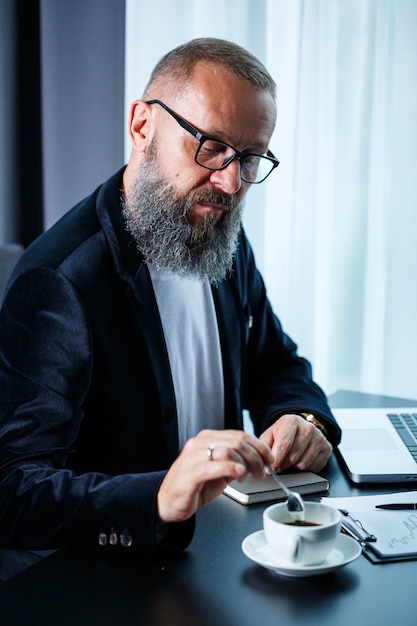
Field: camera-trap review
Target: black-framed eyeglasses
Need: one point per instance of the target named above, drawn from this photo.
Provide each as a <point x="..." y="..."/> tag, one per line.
<point x="214" y="154"/>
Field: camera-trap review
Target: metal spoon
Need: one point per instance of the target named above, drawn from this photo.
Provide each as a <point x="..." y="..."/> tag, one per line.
<point x="295" y="503"/>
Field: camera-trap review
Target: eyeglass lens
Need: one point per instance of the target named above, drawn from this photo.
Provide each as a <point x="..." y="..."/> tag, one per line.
<point x="215" y="155"/>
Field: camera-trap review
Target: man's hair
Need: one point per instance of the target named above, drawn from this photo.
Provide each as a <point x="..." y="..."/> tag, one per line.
<point x="179" y="64"/>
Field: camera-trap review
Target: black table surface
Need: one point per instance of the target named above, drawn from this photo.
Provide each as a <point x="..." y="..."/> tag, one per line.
<point x="213" y="583"/>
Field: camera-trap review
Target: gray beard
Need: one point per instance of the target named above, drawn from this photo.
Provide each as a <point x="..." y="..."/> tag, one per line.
<point x="155" y="215"/>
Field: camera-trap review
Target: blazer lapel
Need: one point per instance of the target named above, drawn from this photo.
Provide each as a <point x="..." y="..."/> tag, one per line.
<point x="141" y="305"/>
<point x="142" y="302"/>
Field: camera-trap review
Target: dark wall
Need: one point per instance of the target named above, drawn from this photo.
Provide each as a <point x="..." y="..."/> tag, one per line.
<point x="82" y="97"/>
<point x="61" y="107"/>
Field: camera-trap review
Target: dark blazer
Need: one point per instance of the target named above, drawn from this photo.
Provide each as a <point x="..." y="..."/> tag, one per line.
<point x="88" y="421"/>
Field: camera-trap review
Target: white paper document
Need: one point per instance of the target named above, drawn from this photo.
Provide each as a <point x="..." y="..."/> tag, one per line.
<point x="388" y="533"/>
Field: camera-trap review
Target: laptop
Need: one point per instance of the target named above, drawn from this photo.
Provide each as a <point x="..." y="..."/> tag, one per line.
<point x="378" y="445"/>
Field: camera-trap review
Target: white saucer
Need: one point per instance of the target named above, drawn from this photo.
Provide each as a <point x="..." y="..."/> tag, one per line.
<point x="256" y="548"/>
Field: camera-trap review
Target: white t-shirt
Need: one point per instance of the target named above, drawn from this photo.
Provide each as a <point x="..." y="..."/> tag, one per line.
<point x="189" y="321"/>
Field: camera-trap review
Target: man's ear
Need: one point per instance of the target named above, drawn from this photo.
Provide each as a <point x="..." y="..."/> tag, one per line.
<point x="140" y="125"/>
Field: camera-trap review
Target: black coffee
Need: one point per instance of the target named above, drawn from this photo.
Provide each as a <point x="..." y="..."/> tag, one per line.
<point x="300" y="522"/>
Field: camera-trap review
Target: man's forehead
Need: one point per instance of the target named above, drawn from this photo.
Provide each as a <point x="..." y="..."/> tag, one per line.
<point x="218" y="90"/>
<point x="251" y="112"/>
<point x="211" y="81"/>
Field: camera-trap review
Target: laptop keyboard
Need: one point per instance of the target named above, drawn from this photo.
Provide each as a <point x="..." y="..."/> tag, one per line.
<point x="406" y="426"/>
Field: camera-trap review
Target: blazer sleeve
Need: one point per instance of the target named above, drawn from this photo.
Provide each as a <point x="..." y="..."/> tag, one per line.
<point x="45" y="371"/>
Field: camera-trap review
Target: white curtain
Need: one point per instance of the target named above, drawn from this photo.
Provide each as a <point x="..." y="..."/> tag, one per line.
<point x="334" y="229"/>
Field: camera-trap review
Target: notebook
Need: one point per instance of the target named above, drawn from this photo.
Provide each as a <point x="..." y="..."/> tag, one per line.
<point x="378" y="445"/>
<point x="253" y="490"/>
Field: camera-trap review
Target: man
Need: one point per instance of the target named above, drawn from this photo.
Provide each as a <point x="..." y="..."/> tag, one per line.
<point x="136" y="330"/>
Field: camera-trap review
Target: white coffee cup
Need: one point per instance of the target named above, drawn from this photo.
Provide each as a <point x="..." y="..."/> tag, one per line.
<point x="302" y="544"/>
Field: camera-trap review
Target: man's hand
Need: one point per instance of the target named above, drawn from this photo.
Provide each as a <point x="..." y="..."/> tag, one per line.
<point x="297" y="443"/>
<point x="207" y="463"/>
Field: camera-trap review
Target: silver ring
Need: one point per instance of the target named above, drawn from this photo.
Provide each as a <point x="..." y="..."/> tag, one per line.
<point x="210" y="453"/>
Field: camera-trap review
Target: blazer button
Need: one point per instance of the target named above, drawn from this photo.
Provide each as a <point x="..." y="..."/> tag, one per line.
<point x="102" y="539"/>
<point x="125" y="539"/>
<point x="113" y="539"/>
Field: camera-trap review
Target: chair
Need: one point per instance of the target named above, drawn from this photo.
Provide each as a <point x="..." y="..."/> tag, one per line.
<point x="9" y="254"/>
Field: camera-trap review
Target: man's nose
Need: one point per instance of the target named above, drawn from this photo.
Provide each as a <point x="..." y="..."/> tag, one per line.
<point x="228" y="179"/>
